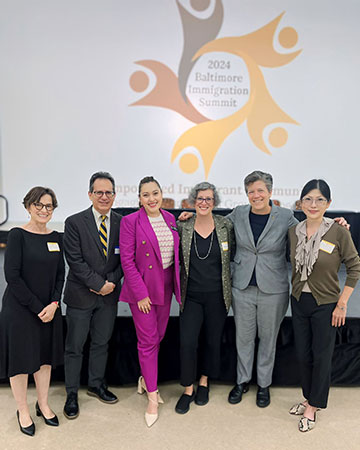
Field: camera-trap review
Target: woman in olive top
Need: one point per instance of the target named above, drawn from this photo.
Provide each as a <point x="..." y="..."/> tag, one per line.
<point x="206" y="242"/>
<point x="318" y="246"/>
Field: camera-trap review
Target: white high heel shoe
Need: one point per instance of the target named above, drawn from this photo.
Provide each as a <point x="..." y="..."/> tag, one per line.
<point x="150" y="419"/>
<point x="142" y="388"/>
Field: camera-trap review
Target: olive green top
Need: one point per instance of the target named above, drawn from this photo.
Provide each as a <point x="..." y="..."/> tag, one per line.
<point x="323" y="280"/>
<point x="225" y="234"/>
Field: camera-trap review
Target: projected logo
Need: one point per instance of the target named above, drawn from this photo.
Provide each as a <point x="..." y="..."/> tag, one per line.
<point x="220" y="85"/>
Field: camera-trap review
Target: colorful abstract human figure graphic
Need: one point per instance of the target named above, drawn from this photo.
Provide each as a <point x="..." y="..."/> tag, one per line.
<point x="264" y="119"/>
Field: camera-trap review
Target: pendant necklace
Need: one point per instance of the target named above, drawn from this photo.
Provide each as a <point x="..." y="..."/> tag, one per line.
<point x="210" y="246"/>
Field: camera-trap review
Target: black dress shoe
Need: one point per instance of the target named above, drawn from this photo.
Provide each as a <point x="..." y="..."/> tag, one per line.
<point x="53" y="421"/>
<point x="71" y="408"/>
<point x="30" y="430"/>
<point x="183" y="404"/>
<point x="237" y="392"/>
<point x="102" y="394"/>
<point x="202" y="395"/>
<point x="263" y="397"/>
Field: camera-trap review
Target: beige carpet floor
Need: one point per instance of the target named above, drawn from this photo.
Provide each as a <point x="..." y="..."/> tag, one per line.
<point x="218" y="425"/>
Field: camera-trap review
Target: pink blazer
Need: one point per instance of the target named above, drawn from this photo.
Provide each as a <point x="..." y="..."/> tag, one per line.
<point x="141" y="259"/>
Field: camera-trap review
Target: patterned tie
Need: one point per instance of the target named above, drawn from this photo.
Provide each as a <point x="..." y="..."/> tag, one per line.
<point x="103" y="234"/>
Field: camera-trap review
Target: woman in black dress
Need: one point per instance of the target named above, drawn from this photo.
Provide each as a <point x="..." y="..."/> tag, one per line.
<point x="30" y="321"/>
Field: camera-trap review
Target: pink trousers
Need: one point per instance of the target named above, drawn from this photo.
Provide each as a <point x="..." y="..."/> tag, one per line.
<point x="150" y="330"/>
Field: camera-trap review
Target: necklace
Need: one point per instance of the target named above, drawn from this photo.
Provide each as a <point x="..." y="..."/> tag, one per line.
<point x="210" y="246"/>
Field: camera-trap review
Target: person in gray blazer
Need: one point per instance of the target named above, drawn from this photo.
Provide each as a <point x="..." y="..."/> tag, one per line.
<point x="260" y="285"/>
<point x="91" y="245"/>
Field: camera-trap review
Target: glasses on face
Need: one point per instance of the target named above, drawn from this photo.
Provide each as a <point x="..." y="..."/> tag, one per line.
<point x="39" y="206"/>
<point x="308" y="201"/>
<point x="99" y="194"/>
<point x="207" y="200"/>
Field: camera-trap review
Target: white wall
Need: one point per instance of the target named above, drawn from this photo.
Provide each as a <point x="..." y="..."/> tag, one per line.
<point x="65" y="96"/>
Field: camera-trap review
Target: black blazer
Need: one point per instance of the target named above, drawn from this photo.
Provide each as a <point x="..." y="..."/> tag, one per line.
<point x="88" y="266"/>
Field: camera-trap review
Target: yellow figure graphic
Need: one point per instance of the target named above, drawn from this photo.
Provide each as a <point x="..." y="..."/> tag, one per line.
<point x="256" y="49"/>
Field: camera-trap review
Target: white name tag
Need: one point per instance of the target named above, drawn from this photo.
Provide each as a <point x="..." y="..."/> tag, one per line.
<point x="117" y="251"/>
<point x="326" y="246"/>
<point x="53" y="247"/>
<point x="225" y="246"/>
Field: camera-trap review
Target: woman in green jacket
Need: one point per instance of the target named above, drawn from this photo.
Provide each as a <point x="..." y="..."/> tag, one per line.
<point x="318" y="246"/>
<point x="205" y="242"/>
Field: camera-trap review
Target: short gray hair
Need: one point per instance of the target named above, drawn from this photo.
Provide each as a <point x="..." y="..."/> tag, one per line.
<point x="257" y="175"/>
<point x="203" y="186"/>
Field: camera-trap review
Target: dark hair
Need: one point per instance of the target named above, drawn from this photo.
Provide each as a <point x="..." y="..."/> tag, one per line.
<point x="257" y="175"/>
<point x="203" y="186"/>
<point x="316" y="184"/>
<point x="104" y="175"/>
<point x="148" y="179"/>
<point x="35" y="194"/>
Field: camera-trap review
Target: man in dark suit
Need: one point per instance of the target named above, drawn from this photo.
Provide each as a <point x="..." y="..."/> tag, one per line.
<point x="91" y="244"/>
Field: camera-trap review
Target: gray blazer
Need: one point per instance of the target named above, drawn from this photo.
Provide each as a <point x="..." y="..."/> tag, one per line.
<point x="268" y="257"/>
<point x="88" y="266"/>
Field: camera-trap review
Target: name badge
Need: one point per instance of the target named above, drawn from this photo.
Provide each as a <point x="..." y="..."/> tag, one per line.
<point x="53" y="247"/>
<point x="326" y="246"/>
<point x="117" y="251"/>
<point x="225" y="246"/>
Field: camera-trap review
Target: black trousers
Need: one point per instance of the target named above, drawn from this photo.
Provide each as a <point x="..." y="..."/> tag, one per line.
<point x="314" y="341"/>
<point x="99" y="322"/>
<point x="207" y="310"/>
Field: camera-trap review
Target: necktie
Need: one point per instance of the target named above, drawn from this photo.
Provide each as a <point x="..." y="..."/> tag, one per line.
<point x="103" y="234"/>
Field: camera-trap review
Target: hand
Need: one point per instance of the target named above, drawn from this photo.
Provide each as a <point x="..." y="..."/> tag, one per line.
<point x="47" y="314"/>
<point x="107" y="288"/>
<point x="185" y="215"/>
<point x="144" y="305"/>
<point x="342" y="221"/>
<point x="338" y="316"/>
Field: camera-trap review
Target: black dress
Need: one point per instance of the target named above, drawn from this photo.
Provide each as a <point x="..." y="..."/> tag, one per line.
<point x="34" y="271"/>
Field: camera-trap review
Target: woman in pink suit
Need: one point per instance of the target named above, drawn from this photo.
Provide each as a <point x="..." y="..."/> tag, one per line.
<point x="149" y="250"/>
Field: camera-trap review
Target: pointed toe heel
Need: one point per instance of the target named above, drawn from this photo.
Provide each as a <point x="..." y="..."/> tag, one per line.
<point x="53" y="421"/>
<point x="150" y="419"/>
<point x="29" y="431"/>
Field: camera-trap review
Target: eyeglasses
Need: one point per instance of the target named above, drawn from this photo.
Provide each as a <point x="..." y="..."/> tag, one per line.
<point x="39" y="206"/>
<point x="207" y="200"/>
<point x="318" y="201"/>
<point x="99" y="194"/>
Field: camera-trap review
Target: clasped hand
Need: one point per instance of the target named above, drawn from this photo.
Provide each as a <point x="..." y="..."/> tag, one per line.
<point x="47" y="313"/>
<point x="106" y="289"/>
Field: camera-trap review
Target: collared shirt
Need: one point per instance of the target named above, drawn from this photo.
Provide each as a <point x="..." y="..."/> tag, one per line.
<point x="98" y="220"/>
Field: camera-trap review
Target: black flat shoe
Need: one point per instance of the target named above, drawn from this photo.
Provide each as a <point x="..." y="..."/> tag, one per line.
<point x="71" y="408"/>
<point x="53" y="421"/>
<point x="202" y="395"/>
<point x="30" y="430"/>
<point x="102" y="394"/>
<point x="183" y="404"/>
<point x="263" y="397"/>
<point x="237" y="392"/>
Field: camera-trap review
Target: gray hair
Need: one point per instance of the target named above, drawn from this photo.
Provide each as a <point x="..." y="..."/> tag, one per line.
<point x="257" y="175"/>
<point x="203" y="186"/>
